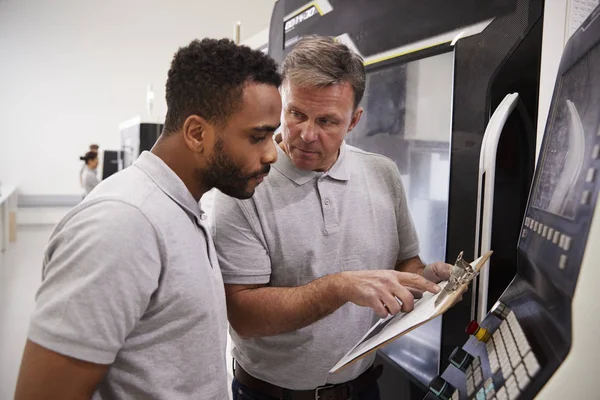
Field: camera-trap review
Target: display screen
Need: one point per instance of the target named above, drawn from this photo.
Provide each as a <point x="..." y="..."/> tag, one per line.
<point x="572" y="126"/>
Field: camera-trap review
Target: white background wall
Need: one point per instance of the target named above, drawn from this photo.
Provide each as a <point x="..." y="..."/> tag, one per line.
<point x="72" y="70"/>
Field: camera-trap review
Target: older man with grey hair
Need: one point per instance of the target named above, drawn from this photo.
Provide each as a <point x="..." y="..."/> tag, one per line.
<point x="325" y="245"/>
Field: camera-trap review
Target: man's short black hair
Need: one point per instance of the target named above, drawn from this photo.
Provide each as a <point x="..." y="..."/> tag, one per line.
<point x="207" y="78"/>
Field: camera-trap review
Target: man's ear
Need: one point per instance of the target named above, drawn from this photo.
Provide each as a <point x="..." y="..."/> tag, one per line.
<point x="198" y="133"/>
<point x="355" y="118"/>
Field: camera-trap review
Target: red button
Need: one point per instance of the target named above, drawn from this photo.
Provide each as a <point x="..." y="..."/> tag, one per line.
<point x="472" y="328"/>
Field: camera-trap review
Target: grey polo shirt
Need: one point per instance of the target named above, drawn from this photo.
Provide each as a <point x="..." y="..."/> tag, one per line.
<point x="303" y="225"/>
<point x="131" y="279"/>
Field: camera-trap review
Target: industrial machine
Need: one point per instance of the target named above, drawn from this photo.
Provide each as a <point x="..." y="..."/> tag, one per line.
<point x="137" y="136"/>
<point x="436" y="71"/>
<point x="540" y="338"/>
<point x="111" y="163"/>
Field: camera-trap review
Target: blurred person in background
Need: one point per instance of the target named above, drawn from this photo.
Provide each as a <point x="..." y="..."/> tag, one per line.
<point x="89" y="175"/>
<point x="93" y="149"/>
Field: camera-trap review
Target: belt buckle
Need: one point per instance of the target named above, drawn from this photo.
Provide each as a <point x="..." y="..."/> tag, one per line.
<point x="317" y="390"/>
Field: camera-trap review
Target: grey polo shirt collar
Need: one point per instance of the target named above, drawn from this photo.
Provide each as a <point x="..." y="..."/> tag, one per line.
<point x="170" y="184"/>
<point x="339" y="171"/>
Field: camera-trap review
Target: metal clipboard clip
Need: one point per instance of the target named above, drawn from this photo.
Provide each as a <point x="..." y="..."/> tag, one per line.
<point x="462" y="273"/>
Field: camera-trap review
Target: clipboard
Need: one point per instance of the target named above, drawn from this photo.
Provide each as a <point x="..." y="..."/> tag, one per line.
<point x="427" y="308"/>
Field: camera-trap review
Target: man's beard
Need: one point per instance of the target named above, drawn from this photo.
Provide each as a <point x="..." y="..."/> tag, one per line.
<point x="223" y="174"/>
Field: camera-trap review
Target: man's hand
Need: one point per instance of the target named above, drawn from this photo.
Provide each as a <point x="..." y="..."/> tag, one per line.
<point x="437" y="272"/>
<point x="386" y="292"/>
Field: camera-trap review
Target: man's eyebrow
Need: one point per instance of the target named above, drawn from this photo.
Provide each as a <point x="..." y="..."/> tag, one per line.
<point x="266" y="128"/>
<point x="330" y="116"/>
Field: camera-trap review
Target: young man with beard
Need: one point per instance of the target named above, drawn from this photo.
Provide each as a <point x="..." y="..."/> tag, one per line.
<point x="132" y="302"/>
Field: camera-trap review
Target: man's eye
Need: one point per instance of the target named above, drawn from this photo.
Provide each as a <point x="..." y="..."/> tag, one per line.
<point x="258" y="139"/>
<point x="295" y="113"/>
<point x="324" y="121"/>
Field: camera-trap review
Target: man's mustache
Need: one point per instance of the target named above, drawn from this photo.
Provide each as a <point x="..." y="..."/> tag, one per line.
<point x="264" y="171"/>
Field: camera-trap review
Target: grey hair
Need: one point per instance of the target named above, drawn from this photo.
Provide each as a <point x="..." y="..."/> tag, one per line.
<point x="318" y="61"/>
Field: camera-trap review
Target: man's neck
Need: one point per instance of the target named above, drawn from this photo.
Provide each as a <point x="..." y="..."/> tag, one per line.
<point x="172" y="154"/>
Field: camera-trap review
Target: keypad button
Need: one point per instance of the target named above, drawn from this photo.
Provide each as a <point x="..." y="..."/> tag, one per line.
<point x="591" y="175"/>
<point x="480" y="394"/>
<point x="567" y="243"/>
<point x="531" y="364"/>
<point x="523" y="346"/>
<point x="456" y="395"/>
<point x="585" y="197"/>
<point x="513" y="393"/>
<point x="470" y="387"/>
<point x="545" y="231"/>
<point x="478" y="377"/>
<point x="501" y="394"/>
<point x="562" y="262"/>
<point x="512" y="388"/>
<point x="556" y="237"/>
<point x="469" y="371"/>
<point x="507" y="369"/>
<point x="489" y="346"/>
<point x="511" y="382"/>
<point x="596" y="152"/>
<point x="494" y="363"/>
<point x="522" y="377"/>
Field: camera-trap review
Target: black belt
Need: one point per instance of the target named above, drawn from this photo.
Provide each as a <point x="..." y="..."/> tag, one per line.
<point x="340" y="391"/>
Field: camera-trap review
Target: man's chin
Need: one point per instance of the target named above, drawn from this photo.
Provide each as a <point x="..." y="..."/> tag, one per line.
<point x="245" y="195"/>
<point x="238" y="193"/>
<point x="303" y="164"/>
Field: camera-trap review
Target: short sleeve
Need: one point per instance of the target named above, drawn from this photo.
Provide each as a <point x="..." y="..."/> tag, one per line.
<point x="243" y="255"/>
<point x="101" y="267"/>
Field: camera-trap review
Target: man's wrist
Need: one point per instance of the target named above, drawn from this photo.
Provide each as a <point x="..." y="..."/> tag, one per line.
<point x="338" y="285"/>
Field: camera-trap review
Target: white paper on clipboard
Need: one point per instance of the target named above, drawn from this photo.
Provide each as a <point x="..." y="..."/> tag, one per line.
<point x="392" y="327"/>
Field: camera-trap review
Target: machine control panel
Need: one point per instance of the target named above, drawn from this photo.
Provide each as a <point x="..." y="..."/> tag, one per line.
<point x="502" y="370"/>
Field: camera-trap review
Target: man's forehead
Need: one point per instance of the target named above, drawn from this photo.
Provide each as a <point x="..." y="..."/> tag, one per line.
<point x="338" y="92"/>
<point x="260" y="107"/>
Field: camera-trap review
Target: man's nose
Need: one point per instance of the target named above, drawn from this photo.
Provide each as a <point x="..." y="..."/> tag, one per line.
<point x="270" y="154"/>
<point x="309" y="132"/>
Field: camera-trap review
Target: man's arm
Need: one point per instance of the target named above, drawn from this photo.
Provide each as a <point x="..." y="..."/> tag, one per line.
<point x="92" y="296"/>
<point x="258" y="310"/>
<point x="49" y="375"/>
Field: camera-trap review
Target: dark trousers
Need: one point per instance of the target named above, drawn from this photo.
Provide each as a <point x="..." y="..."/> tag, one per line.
<point x="241" y="392"/>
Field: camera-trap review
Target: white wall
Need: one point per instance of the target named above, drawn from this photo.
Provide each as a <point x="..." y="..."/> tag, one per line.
<point x="72" y="70"/>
